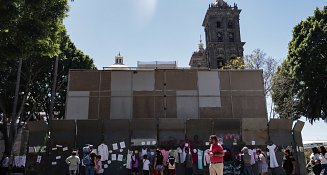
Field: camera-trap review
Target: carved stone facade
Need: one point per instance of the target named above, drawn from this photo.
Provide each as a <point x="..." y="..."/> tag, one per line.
<point x="223" y="38"/>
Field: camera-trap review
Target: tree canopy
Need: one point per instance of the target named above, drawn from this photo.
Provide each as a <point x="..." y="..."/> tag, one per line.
<point x="304" y="71"/>
<point x="33" y="31"/>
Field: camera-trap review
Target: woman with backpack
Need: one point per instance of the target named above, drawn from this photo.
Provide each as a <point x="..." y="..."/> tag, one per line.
<point x="262" y="163"/>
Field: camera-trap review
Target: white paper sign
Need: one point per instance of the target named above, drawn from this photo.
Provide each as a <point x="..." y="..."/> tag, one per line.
<point x="142" y="143"/>
<point x="65" y="149"/>
<point x="122" y="145"/>
<point x="120" y="157"/>
<point x="113" y="157"/>
<point x="58" y="157"/>
<point x="207" y="143"/>
<point x="154" y="142"/>
<point x="115" y="146"/>
<point x="148" y="143"/>
<point x="53" y="149"/>
<point x="53" y="163"/>
<point x="253" y="142"/>
<point x="38" y="160"/>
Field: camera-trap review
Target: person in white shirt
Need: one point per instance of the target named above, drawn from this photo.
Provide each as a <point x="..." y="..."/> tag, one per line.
<point x="146" y="165"/>
<point x="315" y="154"/>
<point x="73" y="161"/>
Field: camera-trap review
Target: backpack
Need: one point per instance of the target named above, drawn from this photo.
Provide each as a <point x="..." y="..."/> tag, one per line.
<point x="87" y="160"/>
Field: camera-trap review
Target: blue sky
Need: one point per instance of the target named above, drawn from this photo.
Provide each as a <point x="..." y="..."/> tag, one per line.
<point x="169" y="30"/>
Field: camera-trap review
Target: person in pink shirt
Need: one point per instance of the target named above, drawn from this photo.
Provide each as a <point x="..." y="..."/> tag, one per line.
<point x="216" y="154"/>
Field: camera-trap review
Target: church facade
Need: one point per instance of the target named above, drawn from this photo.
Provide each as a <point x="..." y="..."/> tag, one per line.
<point x="222" y="35"/>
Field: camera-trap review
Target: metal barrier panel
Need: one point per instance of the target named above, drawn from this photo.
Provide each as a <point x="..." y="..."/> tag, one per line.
<point x="88" y="132"/>
<point x="115" y="132"/>
<point x="280" y="133"/>
<point x="62" y="143"/>
<point x="171" y="133"/>
<point x="198" y="131"/>
<point x="254" y="129"/>
<point x="37" y="139"/>
<point x="144" y="129"/>
<point x="299" y="150"/>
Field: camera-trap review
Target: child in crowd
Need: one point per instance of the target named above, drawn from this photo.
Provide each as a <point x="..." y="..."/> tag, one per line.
<point x="146" y="165"/>
<point x="98" y="166"/>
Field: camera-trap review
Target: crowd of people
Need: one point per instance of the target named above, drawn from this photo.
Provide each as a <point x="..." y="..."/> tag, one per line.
<point x="93" y="164"/>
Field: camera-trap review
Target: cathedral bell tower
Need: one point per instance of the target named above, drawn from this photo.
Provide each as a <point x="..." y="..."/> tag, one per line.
<point x="222" y="34"/>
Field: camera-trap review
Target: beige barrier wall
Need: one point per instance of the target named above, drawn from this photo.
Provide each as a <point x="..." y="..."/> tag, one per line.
<point x="180" y="94"/>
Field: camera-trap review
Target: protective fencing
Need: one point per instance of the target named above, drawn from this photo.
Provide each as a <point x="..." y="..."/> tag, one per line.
<point x="124" y="135"/>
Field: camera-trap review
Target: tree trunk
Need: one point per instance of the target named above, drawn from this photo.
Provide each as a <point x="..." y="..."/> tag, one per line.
<point x="14" y="116"/>
<point x="53" y="90"/>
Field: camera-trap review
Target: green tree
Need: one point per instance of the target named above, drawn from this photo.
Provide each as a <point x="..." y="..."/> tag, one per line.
<point x="70" y="58"/>
<point x="306" y="70"/>
<point x="283" y="93"/>
<point x="33" y="32"/>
